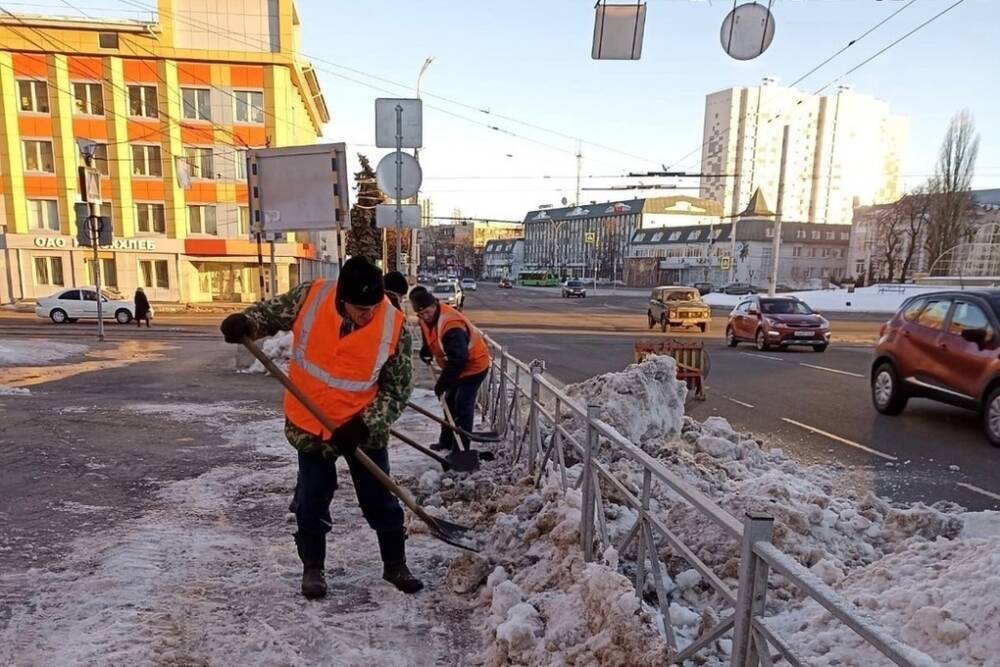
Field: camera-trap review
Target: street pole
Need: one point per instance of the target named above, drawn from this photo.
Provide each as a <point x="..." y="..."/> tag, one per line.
<point x="94" y="225"/>
<point x="416" y="197"/>
<point x="274" y="270"/>
<point x="776" y="242"/>
<point x="399" y="183"/>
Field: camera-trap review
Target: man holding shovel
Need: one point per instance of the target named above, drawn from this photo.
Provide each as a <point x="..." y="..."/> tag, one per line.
<point x="460" y="351"/>
<point x="351" y="357"/>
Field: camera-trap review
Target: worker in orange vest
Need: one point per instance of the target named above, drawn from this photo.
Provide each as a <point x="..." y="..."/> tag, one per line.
<point x="460" y="351"/>
<point x="351" y="356"/>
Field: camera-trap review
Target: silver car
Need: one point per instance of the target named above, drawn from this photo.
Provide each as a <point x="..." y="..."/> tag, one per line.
<point x="450" y="293"/>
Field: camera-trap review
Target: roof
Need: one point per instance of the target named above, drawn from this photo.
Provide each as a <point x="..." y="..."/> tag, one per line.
<point x="749" y="229"/>
<point x="986" y="197"/>
<point x="501" y="245"/>
<point x="603" y="209"/>
<point x="757" y="207"/>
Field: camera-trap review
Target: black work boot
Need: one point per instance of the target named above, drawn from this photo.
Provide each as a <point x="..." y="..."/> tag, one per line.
<point x="312" y="552"/>
<point x="392" y="546"/>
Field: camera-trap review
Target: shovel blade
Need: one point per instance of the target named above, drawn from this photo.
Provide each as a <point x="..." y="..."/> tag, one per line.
<point x="454" y="534"/>
<point x="464" y="460"/>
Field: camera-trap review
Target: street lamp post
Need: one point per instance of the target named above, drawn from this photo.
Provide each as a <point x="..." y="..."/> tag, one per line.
<point x="411" y="268"/>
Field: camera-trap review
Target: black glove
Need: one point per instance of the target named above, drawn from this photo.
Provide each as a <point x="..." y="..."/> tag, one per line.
<point x="440" y="387"/>
<point x="236" y="327"/>
<point x="425" y="355"/>
<point x="350" y="436"/>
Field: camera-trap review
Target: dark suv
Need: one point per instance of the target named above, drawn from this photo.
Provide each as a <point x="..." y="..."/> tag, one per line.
<point x="943" y="346"/>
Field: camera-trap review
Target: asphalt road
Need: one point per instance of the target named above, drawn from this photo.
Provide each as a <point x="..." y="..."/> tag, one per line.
<point x="815" y="406"/>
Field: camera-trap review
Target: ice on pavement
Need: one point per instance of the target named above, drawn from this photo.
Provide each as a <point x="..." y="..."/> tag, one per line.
<point x="32" y="352"/>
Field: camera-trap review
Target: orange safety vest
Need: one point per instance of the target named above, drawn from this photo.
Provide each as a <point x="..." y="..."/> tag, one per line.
<point x="448" y="319"/>
<point x="339" y="373"/>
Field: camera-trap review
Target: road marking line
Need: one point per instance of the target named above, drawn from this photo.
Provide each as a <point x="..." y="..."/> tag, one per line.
<point x="851" y="443"/>
<point x="762" y="356"/>
<point x="831" y="370"/>
<point x="976" y="489"/>
<point x="737" y="402"/>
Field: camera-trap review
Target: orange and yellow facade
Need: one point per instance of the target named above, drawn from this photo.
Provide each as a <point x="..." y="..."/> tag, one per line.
<point x="171" y="105"/>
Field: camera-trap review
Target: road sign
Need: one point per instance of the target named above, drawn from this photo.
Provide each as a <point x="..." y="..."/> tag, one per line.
<point x="725" y="262"/>
<point x="90" y="185"/>
<point x="385" y="122"/>
<point x="410" y="175"/>
<point x="590" y="237"/>
<point x="84" y="227"/>
<point x="385" y="216"/>
<point x="306" y="186"/>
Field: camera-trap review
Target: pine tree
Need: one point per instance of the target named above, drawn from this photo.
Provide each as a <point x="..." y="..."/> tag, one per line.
<point x="364" y="239"/>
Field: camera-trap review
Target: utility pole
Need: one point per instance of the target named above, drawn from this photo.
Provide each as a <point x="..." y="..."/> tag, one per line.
<point x="579" y="166"/>
<point x="776" y="241"/>
<point x="416" y="197"/>
<point x="94" y="226"/>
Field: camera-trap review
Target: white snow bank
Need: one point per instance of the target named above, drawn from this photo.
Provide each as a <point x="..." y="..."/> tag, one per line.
<point x="643" y="401"/>
<point x="29" y="352"/>
<point x="941" y="597"/>
<point x="278" y="347"/>
<point x="14" y="391"/>
<point x="873" y="299"/>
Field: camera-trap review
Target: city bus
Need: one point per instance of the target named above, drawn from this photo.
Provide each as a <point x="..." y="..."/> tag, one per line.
<point x="538" y="278"/>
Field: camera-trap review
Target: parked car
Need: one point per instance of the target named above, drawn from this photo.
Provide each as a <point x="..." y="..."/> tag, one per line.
<point x="505" y="283"/>
<point x="738" y="289"/>
<point x="943" y="346"/>
<point x="777" y="321"/>
<point x="704" y="288"/>
<point x="677" y="306"/>
<point x="574" y="288"/>
<point x="450" y="293"/>
<point x="76" y="303"/>
<point x="469" y="284"/>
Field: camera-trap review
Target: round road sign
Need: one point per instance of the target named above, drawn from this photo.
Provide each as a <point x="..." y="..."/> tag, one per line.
<point x="747" y="31"/>
<point x="385" y="175"/>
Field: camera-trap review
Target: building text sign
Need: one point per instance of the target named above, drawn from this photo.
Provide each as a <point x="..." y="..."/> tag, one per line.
<point x="64" y="243"/>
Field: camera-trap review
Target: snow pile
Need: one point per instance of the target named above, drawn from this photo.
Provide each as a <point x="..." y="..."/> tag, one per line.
<point x="14" y="391"/>
<point x="643" y="401"/>
<point x="873" y="299"/>
<point x="278" y="347"/>
<point x="28" y="352"/>
<point x="941" y="597"/>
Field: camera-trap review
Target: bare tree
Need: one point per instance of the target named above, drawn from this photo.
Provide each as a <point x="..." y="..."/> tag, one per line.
<point x="364" y="239"/>
<point x="914" y="209"/>
<point x="888" y="240"/>
<point x="951" y="202"/>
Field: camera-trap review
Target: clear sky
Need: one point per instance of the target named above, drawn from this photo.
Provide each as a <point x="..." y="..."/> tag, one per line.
<point x="531" y="61"/>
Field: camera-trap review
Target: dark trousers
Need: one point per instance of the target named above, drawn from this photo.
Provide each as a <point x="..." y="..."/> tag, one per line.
<point x="461" y="402"/>
<point x="317" y="480"/>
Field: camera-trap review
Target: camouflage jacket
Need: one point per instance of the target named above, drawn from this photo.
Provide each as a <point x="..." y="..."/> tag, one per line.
<point x="395" y="380"/>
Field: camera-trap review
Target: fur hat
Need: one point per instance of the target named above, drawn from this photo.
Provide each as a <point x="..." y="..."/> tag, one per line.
<point x="360" y="283"/>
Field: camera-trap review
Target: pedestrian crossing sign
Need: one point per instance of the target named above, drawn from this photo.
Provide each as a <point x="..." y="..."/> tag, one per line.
<point x="725" y="262"/>
<point x="590" y="237"/>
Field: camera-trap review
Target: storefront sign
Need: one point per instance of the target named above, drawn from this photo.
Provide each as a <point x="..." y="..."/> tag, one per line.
<point x="64" y="243"/>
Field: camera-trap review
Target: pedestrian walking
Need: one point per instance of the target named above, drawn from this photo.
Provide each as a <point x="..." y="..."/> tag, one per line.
<point x="351" y="356"/>
<point x="460" y="350"/>
<point x="396" y="288"/>
<point x="142" y="309"/>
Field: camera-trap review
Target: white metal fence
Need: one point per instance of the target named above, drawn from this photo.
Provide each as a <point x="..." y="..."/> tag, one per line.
<point x="531" y="411"/>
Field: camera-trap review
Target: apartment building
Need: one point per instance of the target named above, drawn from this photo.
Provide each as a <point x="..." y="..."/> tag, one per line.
<point x="824" y="155"/>
<point x="171" y="105"/>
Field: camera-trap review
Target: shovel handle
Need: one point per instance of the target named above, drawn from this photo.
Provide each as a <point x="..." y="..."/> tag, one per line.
<point x="369" y="465"/>
<point x="444" y="404"/>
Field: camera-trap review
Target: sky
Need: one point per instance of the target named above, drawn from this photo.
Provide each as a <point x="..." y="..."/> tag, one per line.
<point x="528" y="64"/>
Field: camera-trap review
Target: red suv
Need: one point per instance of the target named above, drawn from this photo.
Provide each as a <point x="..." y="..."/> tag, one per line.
<point x="777" y="321"/>
<point x="943" y="346"/>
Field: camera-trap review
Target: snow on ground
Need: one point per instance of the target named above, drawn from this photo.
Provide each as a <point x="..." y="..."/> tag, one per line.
<point x="14" y="391"/>
<point x="31" y="352"/>
<point x="873" y="299"/>
<point x="278" y="347"/>
<point x="847" y="541"/>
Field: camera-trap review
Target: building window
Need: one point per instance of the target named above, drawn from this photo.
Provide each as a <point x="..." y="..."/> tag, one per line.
<point x="108" y="40"/>
<point x="859" y="267"/>
<point x="769" y="232"/>
<point x="150" y="219"/>
<point x="43" y="214"/>
<point x="243" y="221"/>
<point x="38" y="156"/>
<point x="201" y="219"/>
<point x="197" y="103"/>
<point x="694" y="234"/>
<point x="241" y="165"/>
<point x="800" y="234"/>
<point x="88" y="98"/>
<point x="142" y="101"/>
<point x="109" y="272"/>
<point x="146" y="160"/>
<point x="657" y="237"/>
<point x="816" y="235"/>
<point x="845" y="236"/>
<point x="199" y="162"/>
<point x="831" y="236"/>
<point x="34" y="96"/>
<point x="48" y="271"/>
<point x="249" y="106"/>
<point x="154" y="273"/>
<point x="101" y="159"/>
<point x="674" y="236"/>
<point x="797" y="251"/>
<point x="812" y="252"/>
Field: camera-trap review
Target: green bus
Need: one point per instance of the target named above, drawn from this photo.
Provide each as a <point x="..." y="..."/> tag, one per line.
<point x="538" y="278"/>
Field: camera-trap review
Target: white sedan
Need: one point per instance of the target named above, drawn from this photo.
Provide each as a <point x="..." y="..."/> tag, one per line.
<point x="469" y="284"/>
<point x="77" y="303"/>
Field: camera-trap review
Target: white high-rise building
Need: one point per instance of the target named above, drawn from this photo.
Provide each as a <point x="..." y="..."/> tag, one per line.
<point x="842" y="150"/>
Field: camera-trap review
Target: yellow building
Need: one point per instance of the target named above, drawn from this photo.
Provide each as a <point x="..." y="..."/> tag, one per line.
<point x="172" y="105"/>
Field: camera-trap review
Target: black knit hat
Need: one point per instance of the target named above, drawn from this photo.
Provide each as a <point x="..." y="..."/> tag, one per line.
<point x="360" y="283"/>
<point x="421" y="298"/>
<point x="396" y="282"/>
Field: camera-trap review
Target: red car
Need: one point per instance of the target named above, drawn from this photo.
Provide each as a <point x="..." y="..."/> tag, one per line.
<point x="777" y="321"/>
<point x="943" y="346"/>
<point x="505" y="283"/>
